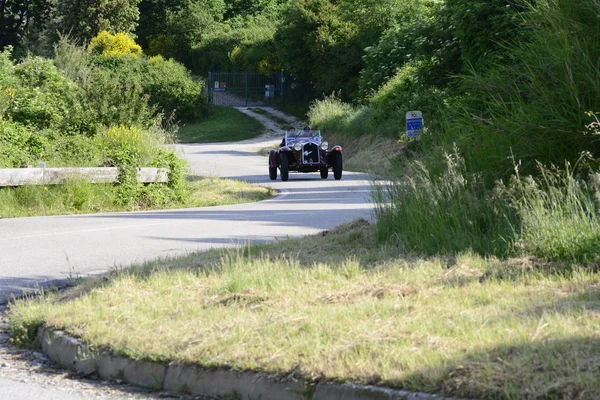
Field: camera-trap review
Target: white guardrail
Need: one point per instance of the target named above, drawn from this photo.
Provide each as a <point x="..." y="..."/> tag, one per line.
<point x="56" y="176"/>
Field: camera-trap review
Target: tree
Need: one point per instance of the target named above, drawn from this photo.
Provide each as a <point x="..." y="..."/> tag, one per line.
<point x="20" y="19"/>
<point x="317" y="47"/>
<point x="173" y="27"/>
<point x="84" y="19"/>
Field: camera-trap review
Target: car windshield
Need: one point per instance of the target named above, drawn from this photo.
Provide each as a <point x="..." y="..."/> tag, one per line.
<point x="302" y="134"/>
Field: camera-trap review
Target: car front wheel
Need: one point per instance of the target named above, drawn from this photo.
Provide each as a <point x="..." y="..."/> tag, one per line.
<point x="324" y="172"/>
<point x="272" y="173"/>
<point x="337" y="166"/>
<point x="284" y="167"/>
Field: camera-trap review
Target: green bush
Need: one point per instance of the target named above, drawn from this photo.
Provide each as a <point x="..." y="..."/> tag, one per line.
<point x="171" y="89"/>
<point x="166" y="84"/>
<point x="43" y="97"/>
<point x="534" y="107"/>
<point x="331" y="113"/>
<point x="111" y="99"/>
<point x="402" y="93"/>
<point x="19" y="145"/>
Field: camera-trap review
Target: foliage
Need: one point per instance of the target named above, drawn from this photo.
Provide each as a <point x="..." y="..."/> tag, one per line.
<point x="117" y="45"/>
<point x="84" y="19"/>
<point x="405" y="92"/>
<point x="449" y="213"/>
<point x="19" y="145"/>
<point x="22" y="20"/>
<point x="115" y="99"/>
<point x="559" y="214"/>
<point x="315" y="44"/>
<point x="534" y="107"/>
<point x="93" y="115"/>
<point x="172" y="90"/>
<point x="41" y="96"/>
<point x="173" y="27"/>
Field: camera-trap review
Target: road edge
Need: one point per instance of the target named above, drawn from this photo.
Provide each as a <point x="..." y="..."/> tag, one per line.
<point x="74" y="354"/>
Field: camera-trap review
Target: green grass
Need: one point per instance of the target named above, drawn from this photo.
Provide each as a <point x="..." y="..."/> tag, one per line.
<point x="283" y="124"/>
<point x="297" y="110"/>
<point x="553" y="215"/>
<point x="223" y="124"/>
<point x="341" y="306"/>
<point x="78" y="197"/>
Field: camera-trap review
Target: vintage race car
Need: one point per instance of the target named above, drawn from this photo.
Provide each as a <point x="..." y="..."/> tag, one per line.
<point x="305" y="151"/>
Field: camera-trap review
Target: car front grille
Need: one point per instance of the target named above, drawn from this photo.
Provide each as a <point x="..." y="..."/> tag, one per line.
<point x="310" y="154"/>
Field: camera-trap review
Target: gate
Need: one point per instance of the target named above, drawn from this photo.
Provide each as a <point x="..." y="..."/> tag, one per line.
<point x="245" y="89"/>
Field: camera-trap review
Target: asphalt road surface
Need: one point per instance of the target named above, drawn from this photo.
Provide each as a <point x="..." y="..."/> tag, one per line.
<point x="41" y="251"/>
<point x="38" y="250"/>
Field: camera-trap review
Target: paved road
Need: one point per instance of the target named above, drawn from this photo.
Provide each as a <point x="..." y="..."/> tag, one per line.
<point x="41" y="250"/>
<point x="34" y="251"/>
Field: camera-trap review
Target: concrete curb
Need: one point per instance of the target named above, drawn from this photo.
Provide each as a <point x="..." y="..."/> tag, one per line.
<point x="73" y="354"/>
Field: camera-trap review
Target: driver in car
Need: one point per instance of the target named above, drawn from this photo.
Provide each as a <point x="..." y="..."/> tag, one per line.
<point x="291" y="132"/>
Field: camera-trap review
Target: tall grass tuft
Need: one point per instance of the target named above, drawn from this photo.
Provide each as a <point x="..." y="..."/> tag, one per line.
<point x="444" y="214"/>
<point x="536" y="105"/>
<point x="552" y="215"/>
<point x="559" y="215"/>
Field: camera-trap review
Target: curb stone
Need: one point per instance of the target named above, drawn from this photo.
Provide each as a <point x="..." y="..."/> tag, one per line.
<point x="174" y="377"/>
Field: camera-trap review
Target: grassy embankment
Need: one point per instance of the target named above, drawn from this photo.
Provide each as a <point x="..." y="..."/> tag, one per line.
<point x="223" y="124"/>
<point x="342" y="306"/>
<point x="78" y="197"/>
<point x="85" y="198"/>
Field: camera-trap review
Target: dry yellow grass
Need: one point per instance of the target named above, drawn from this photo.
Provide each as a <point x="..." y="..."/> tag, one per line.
<point x="339" y="306"/>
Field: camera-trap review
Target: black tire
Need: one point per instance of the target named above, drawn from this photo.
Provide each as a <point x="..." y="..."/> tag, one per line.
<point x="285" y="172"/>
<point x="272" y="173"/>
<point x="324" y="172"/>
<point x="337" y="166"/>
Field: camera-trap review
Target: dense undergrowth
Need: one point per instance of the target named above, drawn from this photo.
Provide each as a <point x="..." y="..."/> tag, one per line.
<point x="108" y="105"/>
<point x="507" y="163"/>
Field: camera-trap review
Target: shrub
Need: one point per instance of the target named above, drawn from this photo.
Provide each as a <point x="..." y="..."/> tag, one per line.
<point x="167" y="84"/>
<point x="73" y="151"/>
<point x="118" y="45"/>
<point x="330" y="113"/>
<point x="402" y="93"/>
<point x="534" y="106"/>
<point x="172" y="89"/>
<point x="127" y="146"/>
<point x="19" y="145"/>
<point x="114" y="100"/>
<point x="43" y="96"/>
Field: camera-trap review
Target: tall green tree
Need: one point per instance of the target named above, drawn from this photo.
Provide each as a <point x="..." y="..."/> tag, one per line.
<point x="22" y="19"/>
<point x="84" y="19"/>
<point x="319" y="48"/>
<point x="173" y="27"/>
<point x="322" y="42"/>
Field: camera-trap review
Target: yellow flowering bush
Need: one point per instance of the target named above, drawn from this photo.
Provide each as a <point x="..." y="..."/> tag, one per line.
<point x="119" y="45"/>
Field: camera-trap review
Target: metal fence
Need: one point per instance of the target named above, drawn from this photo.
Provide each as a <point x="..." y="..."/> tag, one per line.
<point x="245" y="89"/>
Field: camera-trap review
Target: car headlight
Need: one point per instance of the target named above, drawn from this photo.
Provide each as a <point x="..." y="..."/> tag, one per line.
<point x="324" y="146"/>
<point x="298" y="146"/>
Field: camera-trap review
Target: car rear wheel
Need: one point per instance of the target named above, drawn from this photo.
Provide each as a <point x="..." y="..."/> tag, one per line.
<point x="337" y="166"/>
<point x="284" y="167"/>
<point x="324" y="172"/>
<point x="272" y="173"/>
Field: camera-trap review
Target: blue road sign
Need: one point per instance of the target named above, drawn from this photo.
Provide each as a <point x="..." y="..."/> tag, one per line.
<point x="414" y="124"/>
